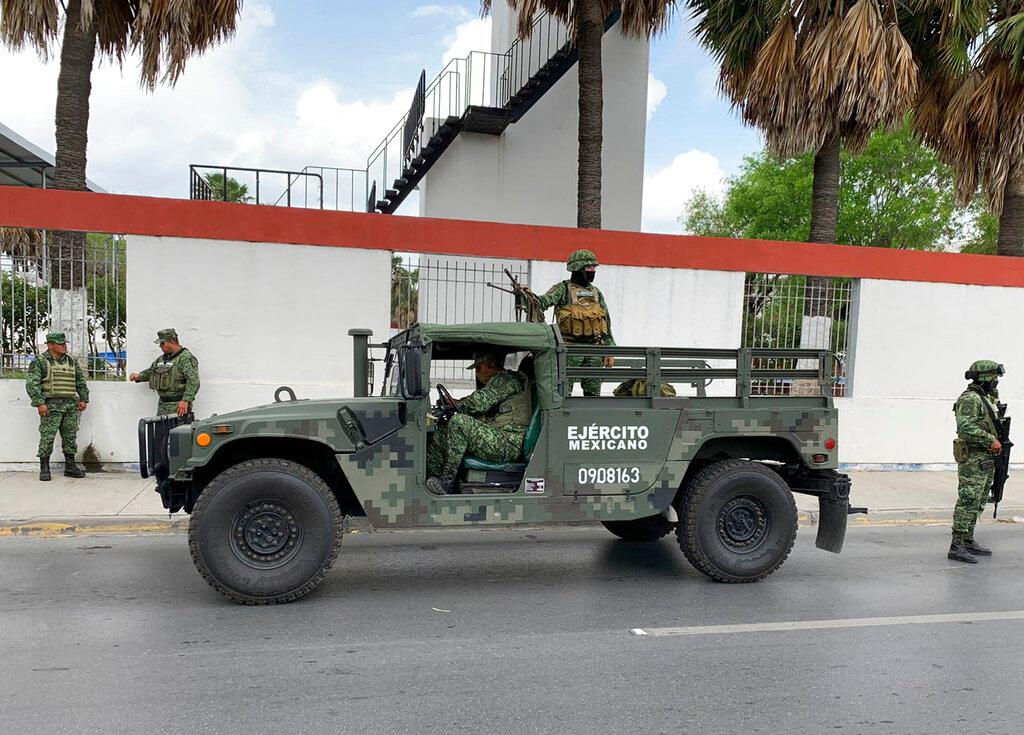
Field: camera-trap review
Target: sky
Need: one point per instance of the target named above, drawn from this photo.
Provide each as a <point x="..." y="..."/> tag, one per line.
<point x="321" y="83"/>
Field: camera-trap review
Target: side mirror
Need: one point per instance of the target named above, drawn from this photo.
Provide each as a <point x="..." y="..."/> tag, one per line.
<point x="410" y="361"/>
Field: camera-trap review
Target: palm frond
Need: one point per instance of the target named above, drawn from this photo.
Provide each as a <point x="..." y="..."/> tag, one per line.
<point x="29" y="23"/>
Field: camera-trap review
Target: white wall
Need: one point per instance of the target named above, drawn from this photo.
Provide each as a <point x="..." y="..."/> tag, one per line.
<point x="527" y="174"/>
<point x="257" y="316"/>
<point x="913" y="343"/>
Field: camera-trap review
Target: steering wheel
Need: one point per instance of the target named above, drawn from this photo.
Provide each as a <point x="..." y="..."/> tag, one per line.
<point x="445" y="399"/>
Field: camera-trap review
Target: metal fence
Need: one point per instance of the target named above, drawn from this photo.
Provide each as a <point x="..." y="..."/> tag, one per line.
<point x="66" y="282"/>
<point x="784" y="311"/>
<point x="451" y="290"/>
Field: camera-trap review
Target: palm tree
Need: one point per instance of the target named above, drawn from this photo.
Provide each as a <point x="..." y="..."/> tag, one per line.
<point x="585" y="20"/>
<point x="813" y="75"/>
<point x="234" y="191"/>
<point x="972" y="107"/>
<point x="165" y="34"/>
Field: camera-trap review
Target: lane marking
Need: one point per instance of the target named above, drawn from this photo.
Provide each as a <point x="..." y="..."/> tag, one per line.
<point x="966" y="617"/>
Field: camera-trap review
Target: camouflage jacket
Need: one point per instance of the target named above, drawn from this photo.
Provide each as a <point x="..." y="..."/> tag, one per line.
<point x="558" y="296"/>
<point x="483" y="402"/>
<point x="189" y="367"/>
<point x="37" y="372"/>
<point x="973" y="424"/>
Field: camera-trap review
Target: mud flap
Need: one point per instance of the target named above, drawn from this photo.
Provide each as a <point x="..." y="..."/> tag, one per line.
<point x="832" y="516"/>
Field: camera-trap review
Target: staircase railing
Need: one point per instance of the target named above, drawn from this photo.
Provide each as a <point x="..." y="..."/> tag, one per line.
<point x="481" y="79"/>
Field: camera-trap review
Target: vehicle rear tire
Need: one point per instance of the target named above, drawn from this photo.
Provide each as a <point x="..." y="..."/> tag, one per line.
<point x="647" y="529"/>
<point x="265" y="531"/>
<point x="737" y="521"/>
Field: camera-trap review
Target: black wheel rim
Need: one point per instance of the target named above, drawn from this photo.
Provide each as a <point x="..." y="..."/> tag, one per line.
<point x="266" y="534"/>
<point x="743" y="523"/>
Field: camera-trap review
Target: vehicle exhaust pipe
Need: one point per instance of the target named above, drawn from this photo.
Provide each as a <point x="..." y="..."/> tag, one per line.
<point x="360" y="361"/>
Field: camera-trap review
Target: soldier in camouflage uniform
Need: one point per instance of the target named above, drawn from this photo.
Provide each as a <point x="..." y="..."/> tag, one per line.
<point x="974" y="450"/>
<point x="582" y="314"/>
<point x="489" y="424"/>
<point x="56" y="385"/>
<point x="174" y="376"/>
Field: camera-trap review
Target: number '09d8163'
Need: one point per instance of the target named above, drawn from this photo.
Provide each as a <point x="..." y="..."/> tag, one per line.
<point x="608" y="475"/>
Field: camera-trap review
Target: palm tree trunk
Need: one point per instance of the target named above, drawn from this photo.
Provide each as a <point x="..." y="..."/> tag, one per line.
<point x="816" y="325"/>
<point x="67" y="249"/>
<point x="1011" y="221"/>
<point x="589" y="23"/>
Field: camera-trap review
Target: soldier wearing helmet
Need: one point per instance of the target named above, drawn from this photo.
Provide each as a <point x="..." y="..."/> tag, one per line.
<point x="974" y="450"/>
<point x="581" y="313"/>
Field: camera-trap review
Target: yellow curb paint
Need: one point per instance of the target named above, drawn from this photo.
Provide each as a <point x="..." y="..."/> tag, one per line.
<point x="52" y="529"/>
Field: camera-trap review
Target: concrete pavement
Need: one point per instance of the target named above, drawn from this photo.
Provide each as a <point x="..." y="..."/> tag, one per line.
<point x="517" y="631"/>
<point x="124" y="502"/>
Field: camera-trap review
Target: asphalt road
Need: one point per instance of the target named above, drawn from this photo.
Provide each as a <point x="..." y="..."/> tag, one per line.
<point x="524" y="631"/>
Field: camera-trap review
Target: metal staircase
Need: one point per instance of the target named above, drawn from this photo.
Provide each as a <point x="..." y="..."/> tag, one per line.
<point x="482" y="93"/>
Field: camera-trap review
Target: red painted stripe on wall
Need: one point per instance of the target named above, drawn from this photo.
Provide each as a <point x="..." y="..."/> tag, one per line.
<point x="134" y="215"/>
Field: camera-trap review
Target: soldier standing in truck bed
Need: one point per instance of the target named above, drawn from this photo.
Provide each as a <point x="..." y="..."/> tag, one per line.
<point x="582" y="314"/>
<point x="174" y="376"/>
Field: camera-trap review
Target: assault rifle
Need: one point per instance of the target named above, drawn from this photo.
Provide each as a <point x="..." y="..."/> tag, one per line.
<point x="1002" y="459"/>
<point x="526" y="301"/>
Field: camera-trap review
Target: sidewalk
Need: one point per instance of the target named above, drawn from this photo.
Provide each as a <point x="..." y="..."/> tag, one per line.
<point x="122" y="502"/>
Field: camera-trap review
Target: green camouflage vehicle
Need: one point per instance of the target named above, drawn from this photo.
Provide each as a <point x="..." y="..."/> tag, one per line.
<point x="268" y="487"/>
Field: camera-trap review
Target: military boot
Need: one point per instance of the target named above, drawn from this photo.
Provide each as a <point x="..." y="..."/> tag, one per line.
<point x="44" y="469"/>
<point x="440" y="485"/>
<point x="70" y="468"/>
<point x="972" y="546"/>
<point x="958" y="552"/>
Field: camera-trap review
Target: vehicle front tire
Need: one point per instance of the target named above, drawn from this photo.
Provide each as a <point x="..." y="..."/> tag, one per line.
<point x="737" y="521"/>
<point x="647" y="529"/>
<point x="265" y="531"/>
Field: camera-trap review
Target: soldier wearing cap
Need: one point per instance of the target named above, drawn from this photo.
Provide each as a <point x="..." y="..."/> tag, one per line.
<point x="974" y="450"/>
<point x="174" y="376"/>
<point x="489" y="424"/>
<point x="581" y="313"/>
<point x="56" y="385"/>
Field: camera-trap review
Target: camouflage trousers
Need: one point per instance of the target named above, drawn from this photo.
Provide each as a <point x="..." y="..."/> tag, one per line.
<point x="464" y="435"/>
<point x="591" y="386"/>
<point x="975" y="474"/>
<point x="169" y="408"/>
<point x="63" y="419"/>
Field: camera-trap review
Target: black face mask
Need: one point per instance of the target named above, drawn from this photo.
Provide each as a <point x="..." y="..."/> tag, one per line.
<point x="580" y="278"/>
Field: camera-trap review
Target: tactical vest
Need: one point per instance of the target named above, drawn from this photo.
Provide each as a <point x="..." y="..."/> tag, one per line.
<point x="637" y="388"/>
<point x="582" y="318"/>
<point x="516" y="412"/>
<point x="60" y="379"/>
<point x="167" y="378"/>
<point x="961" y="446"/>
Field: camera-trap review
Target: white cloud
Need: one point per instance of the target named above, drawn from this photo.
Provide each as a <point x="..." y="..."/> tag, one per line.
<point x="667" y="189"/>
<point x="656" y="91"/>
<point x="473" y="35"/>
<point x="449" y="11"/>
<point x="231" y="107"/>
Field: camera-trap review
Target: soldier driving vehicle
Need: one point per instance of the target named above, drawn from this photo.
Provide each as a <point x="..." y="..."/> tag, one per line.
<point x="268" y="487"/>
<point x="174" y="376"/>
<point x="982" y="453"/>
<point x="489" y="424"/>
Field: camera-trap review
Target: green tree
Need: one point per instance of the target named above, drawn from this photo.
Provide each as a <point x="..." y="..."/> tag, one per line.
<point x="25" y="305"/>
<point x="236" y="192"/>
<point x="405" y="293"/>
<point x="897" y="194"/>
<point x="165" y="35"/>
<point x="106" y="284"/>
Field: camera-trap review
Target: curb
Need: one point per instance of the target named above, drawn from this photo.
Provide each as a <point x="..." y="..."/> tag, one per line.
<point x="93" y="525"/>
<point x="53" y="527"/>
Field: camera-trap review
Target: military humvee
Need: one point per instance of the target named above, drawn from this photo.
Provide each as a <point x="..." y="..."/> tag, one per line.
<point x="268" y="487"/>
